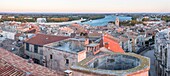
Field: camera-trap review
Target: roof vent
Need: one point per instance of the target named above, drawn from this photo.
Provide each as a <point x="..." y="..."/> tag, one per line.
<point x="30" y="61"/>
<point x="28" y="73"/>
<point x="12" y="49"/>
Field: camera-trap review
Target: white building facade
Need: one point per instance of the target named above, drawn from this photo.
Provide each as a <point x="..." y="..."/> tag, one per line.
<point x="162" y="52"/>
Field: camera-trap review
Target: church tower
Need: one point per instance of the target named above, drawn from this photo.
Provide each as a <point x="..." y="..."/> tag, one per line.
<point x="117" y="21"/>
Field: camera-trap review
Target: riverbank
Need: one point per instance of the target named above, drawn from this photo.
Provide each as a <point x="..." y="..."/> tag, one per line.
<point x="106" y="20"/>
<point x="63" y="23"/>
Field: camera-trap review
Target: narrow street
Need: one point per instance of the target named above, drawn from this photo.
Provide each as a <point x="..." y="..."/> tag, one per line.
<point x="150" y="54"/>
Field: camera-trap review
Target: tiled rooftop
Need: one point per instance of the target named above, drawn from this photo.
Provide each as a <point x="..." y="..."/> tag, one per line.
<point x="7" y="70"/>
<point x="95" y="34"/>
<point x="42" y="39"/>
<point x="11" y="64"/>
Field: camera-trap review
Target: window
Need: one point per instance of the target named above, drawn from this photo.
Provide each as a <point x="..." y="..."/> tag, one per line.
<point x="130" y="39"/>
<point x="41" y="52"/>
<point x="166" y="57"/>
<point x="27" y="57"/>
<point x="166" y="74"/>
<point x="35" y="48"/>
<point x="51" y="56"/>
<point x="95" y="49"/>
<point x="27" y="46"/>
<point x="142" y="44"/>
<point x="36" y="61"/>
<point x="123" y="45"/>
<point x="67" y="61"/>
<point x="161" y="51"/>
<point x="96" y="63"/>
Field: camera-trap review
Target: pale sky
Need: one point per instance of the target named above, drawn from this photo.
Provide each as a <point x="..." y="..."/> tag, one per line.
<point x="85" y="6"/>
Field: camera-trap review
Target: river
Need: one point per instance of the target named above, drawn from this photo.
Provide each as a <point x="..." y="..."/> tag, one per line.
<point x="104" y="21"/>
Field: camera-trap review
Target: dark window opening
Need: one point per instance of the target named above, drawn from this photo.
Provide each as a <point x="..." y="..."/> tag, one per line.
<point x="161" y="51"/>
<point x="27" y="46"/>
<point x="35" y="48"/>
<point x="27" y="57"/>
<point x="123" y="45"/>
<point x="130" y="39"/>
<point x="36" y="61"/>
<point x="67" y="61"/>
<point x="51" y="56"/>
<point x="166" y="57"/>
<point x="96" y="63"/>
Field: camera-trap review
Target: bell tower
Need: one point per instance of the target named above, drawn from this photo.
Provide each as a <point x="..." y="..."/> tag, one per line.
<point x="117" y="21"/>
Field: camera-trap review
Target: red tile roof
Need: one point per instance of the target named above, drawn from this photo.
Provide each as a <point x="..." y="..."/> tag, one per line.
<point x="18" y="34"/>
<point x="94" y="34"/>
<point x="30" y="31"/>
<point x="42" y="39"/>
<point x="7" y="70"/>
<point x="113" y="45"/>
<point x="78" y="28"/>
<point x="13" y="65"/>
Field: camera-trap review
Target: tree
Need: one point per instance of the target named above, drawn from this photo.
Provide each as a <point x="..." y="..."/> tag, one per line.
<point x="133" y="22"/>
<point x="125" y="23"/>
<point x="1" y="20"/>
<point x="145" y="19"/>
<point x="166" y="18"/>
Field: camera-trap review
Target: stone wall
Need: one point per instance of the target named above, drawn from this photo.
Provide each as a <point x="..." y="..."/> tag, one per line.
<point x="32" y="54"/>
<point x="59" y="57"/>
<point x="144" y="72"/>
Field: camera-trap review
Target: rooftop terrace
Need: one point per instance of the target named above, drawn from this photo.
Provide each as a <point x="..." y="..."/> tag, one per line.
<point x="72" y="46"/>
<point x="123" y="64"/>
<point x="93" y="44"/>
<point x="115" y="62"/>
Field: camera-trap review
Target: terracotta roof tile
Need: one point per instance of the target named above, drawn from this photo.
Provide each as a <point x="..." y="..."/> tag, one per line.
<point x="42" y="39"/>
<point x="112" y="43"/>
<point x="18" y="34"/>
<point x="95" y="34"/>
<point x="8" y="70"/>
<point x="13" y="65"/>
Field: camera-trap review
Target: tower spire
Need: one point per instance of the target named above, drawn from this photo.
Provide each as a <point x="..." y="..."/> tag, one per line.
<point x="117" y="21"/>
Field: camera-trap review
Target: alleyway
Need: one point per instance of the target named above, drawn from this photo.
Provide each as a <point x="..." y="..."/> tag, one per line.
<point x="150" y="54"/>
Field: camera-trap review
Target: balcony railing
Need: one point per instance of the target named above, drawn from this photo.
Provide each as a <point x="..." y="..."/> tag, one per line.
<point x="33" y="55"/>
<point x="168" y="68"/>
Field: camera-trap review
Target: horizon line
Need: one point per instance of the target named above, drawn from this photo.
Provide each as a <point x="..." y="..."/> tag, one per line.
<point x="81" y="12"/>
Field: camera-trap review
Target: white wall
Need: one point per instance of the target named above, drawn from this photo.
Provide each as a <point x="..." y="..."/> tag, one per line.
<point x="0" y="16"/>
<point x="9" y="35"/>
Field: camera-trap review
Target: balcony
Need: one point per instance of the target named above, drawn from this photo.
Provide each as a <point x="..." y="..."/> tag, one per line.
<point x="33" y="55"/>
<point x="158" y="59"/>
<point x="168" y="69"/>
